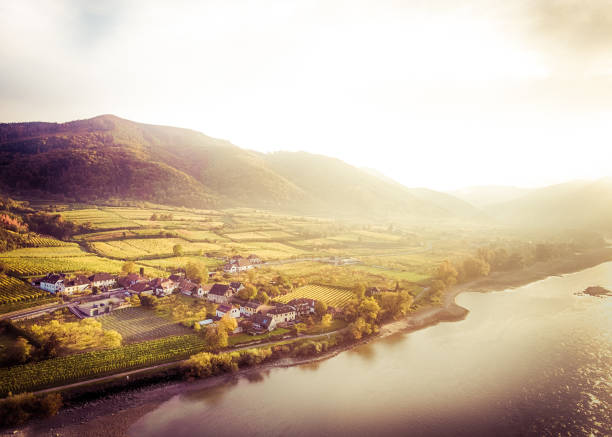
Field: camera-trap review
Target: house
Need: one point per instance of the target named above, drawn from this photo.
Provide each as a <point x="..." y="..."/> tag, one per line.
<point x="236" y="286"/>
<point x="206" y="322"/>
<point x="249" y="308"/>
<point x="230" y="268"/>
<point x="220" y="293"/>
<point x="260" y="323"/>
<point x="225" y="309"/>
<point x="191" y="288"/>
<point x="303" y="306"/>
<point x="101" y="306"/>
<point x="75" y="285"/>
<point x="130" y="279"/>
<point x="282" y="314"/>
<point x="102" y="280"/>
<point x="235" y="259"/>
<point x="254" y="259"/>
<point x="176" y="277"/>
<point x="372" y="291"/>
<point x="162" y="287"/>
<point x="141" y="288"/>
<point x="53" y="282"/>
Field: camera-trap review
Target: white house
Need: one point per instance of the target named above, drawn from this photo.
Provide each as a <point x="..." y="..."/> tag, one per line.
<point x="224" y="309"/>
<point x="53" y="282"/>
<point x="102" y="280"/>
<point x="220" y="293"/>
<point x="282" y="313"/>
<point x="75" y="285"/>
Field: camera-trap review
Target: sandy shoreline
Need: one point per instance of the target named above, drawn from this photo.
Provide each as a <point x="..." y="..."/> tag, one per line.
<point x="112" y="416"/>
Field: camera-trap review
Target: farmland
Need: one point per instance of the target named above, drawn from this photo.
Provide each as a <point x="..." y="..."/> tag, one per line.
<point x="13" y="290"/>
<point x="148" y="247"/>
<point x="71" y="368"/>
<point x="334" y="296"/>
<point x="180" y="262"/>
<point x="28" y="266"/>
<point x="140" y="324"/>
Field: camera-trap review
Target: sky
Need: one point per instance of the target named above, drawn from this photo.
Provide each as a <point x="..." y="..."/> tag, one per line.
<point x="434" y="93"/>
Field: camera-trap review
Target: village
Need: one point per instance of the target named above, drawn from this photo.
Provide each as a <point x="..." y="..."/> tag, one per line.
<point x="102" y="293"/>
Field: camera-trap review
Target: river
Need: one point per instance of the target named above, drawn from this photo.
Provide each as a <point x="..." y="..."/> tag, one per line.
<point x="531" y="360"/>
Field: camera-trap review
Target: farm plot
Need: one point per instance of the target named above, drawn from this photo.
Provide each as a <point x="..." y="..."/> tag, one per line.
<point x="29" y="266"/>
<point x="144" y="247"/>
<point x="199" y="235"/>
<point x="140" y="324"/>
<point x="71" y="368"/>
<point x="397" y="275"/>
<point x="44" y="252"/>
<point x="99" y="218"/>
<point x="13" y="290"/>
<point x="334" y="296"/>
<point x="180" y="261"/>
<point x="266" y="250"/>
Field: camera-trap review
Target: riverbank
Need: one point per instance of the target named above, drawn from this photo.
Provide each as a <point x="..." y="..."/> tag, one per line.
<point x="114" y="415"/>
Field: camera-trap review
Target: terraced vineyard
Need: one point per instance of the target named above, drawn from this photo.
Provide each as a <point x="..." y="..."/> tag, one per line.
<point x="29" y="266"/>
<point x="13" y="290"/>
<point x="334" y="296"/>
<point x="180" y="261"/>
<point x="64" y="370"/>
<point x="140" y="324"/>
<point x="142" y="247"/>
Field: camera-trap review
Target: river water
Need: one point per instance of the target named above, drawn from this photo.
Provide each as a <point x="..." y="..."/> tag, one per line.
<point x="533" y="360"/>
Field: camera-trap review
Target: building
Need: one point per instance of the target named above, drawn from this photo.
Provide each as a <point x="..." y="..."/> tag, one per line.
<point x="75" y="285"/>
<point x="141" y="288"/>
<point x="303" y="306"/>
<point x="236" y="286"/>
<point x="261" y="323"/>
<point x="282" y="314"/>
<point x="162" y="286"/>
<point x="130" y="279"/>
<point x="249" y="308"/>
<point x="225" y="309"/>
<point x="101" y="306"/>
<point x="220" y="293"/>
<point x="102" y="280"/>
<point x="372" y="291"/>
<point x="238" y="265"/>
<point x="254" y="259"/>
<point x="53" y="282"/>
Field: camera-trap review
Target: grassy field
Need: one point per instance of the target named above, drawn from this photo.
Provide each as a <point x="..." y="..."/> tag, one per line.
<point x="45" y="252"/>
<point x="99" y="218"/>
<point x="266" y="250"/>
<point x="76" y="367"/>
<point x="330" y="295"/>
<point x="140" y="324"/>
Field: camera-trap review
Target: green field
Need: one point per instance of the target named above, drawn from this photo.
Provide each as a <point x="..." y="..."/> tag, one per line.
<point x="140" y="324"/>
<point x="29" y="266"/>
<point x="72" y="368"/>
<point x="266" y="250"/>
<point x="98" y="218"/>
<point x="45" y="252"/>
<point x="13" y="290"/>
<point x="334" y="296"/>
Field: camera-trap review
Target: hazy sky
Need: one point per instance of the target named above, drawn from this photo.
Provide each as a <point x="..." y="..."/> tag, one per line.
<point x="434" y="93"/>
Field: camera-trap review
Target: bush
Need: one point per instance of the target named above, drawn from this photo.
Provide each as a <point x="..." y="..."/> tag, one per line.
<point x="15" y="410"/>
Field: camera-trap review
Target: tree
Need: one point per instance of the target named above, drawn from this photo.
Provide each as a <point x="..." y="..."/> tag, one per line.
<point x="196" y="271"/>
<point x="273" y="291"/>
<point x="228" y="323"/>
<point x="320" y="309"/>
<point x="326" y="320"/>
<point x="368" y="309"/>
<point x="263" y="297"/>
<point x="359" y="291"/>
<point x="216" y="338"/>
<point x="447" y="273"/>
<point x="135" y="301"/>
<point x="20" y="350"/>
<point x="299" y="328"/>
<point x="475" y="268"/>
<point x="128" y="267"/>
<point x="153" y="217"/>
<point x="95" y="290"/>
<point x="177" y="250"/>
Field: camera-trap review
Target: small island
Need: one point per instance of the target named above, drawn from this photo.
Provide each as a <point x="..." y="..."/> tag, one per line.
<point x="597" y="291"/>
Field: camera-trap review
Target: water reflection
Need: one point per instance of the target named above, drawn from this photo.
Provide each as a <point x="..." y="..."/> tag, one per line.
<point x="531" y="361"/>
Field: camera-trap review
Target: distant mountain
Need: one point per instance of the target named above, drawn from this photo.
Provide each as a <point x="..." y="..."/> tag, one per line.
<point x="452" y="204"/>
<point x="489" y="194"/>
<point x="109" y="157"/>
<point x="577" y="204"/>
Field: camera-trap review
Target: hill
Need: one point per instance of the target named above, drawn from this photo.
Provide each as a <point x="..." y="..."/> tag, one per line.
<point x="576" y="204"/>
<point x="483" y="195"/>
<point x="108" y="157"/>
